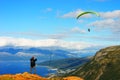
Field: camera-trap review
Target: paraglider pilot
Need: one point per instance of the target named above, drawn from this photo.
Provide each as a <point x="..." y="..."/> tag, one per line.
<point x="33" y="64"/>
<point x="88" y="29"/>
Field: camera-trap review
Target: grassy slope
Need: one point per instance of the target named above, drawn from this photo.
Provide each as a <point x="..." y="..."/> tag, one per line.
<point x="104" y="66"/>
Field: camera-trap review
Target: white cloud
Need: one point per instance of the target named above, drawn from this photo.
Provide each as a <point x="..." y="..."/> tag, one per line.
<point x="110" y="24"/>
<point x="77" y="30"/>
<point x="25" y="42"/>
<point x="38" y="35"/>
<point x="103" y="23"/>
<point x="28" y="54"/>
<point x="101" y="0"/>
<point x="80" y="21"/>
<point x="74" y="14"/>
<point x="62" y="34"/>
<point x="67" y="33"/>
<point x="58" y="36"/>
<point x="110" y="14"/>
<point x="47" y="10"/>
<point x="4" y="41"/>
<point x="104" y="38"/>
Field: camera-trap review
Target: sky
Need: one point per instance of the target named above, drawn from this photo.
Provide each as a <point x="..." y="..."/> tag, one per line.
<point x="53" y="23"/>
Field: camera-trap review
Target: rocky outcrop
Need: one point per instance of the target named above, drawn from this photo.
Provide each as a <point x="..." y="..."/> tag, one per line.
<point x="28" y="76"/>
<point x="72" y="78"/>
<point x="24" y="76"/>
<point x="104" y="65"/>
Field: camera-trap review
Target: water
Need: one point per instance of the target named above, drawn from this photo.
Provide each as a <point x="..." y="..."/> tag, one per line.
<point x="14" y="67"/>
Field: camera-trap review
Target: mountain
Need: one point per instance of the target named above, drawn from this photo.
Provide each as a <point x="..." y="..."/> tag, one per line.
<point x="42" y="53"/>
<point x="25" y="53"/>
<point x="64" y="64"/>
<point x="104" y="66"/>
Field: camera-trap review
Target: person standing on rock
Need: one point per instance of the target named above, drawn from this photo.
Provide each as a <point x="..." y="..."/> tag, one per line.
<point x="33" y="64"/>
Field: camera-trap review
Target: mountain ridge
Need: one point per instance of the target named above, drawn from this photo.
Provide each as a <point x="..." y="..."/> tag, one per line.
<point x="103" y="66"/>
<point x="43" y="53"/>
<point x="64" y="64"/>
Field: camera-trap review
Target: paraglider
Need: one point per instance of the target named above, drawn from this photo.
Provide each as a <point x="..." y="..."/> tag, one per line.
<point x="88" y="29"/>
<point x="87" y="12"/>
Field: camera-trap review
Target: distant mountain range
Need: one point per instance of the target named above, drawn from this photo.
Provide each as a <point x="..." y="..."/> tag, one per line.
<point x="64" y="64"/>
<point x="42" y="53"/>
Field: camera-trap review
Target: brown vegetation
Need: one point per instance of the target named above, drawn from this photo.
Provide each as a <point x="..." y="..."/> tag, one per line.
<point x="28" y="76"/>
<point x="24" y="76"/>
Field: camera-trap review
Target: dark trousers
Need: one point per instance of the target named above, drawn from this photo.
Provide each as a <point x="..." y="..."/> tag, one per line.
<point x="33" y="69"/>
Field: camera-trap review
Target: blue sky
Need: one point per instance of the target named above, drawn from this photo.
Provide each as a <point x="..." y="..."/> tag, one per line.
<point x="56" y="19"/>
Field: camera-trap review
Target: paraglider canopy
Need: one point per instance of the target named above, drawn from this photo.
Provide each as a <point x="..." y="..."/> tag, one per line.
<point x="87" y="12"/>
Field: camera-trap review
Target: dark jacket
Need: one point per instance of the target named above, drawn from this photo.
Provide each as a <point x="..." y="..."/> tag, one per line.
<point x="32" y="61"/>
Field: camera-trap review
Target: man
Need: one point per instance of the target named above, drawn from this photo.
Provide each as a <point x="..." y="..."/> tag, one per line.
<point x="32" y="64"/>
<point x="89" y="29"/>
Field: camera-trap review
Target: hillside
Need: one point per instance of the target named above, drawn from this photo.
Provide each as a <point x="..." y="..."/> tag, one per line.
<point x="69" y="63"/>
<point x="104" y="66"/>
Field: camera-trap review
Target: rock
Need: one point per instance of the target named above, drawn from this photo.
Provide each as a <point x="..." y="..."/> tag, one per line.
<point x="28" y="76"/>
<point x="72" y="78"/>
<point x="24" y="76"/>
